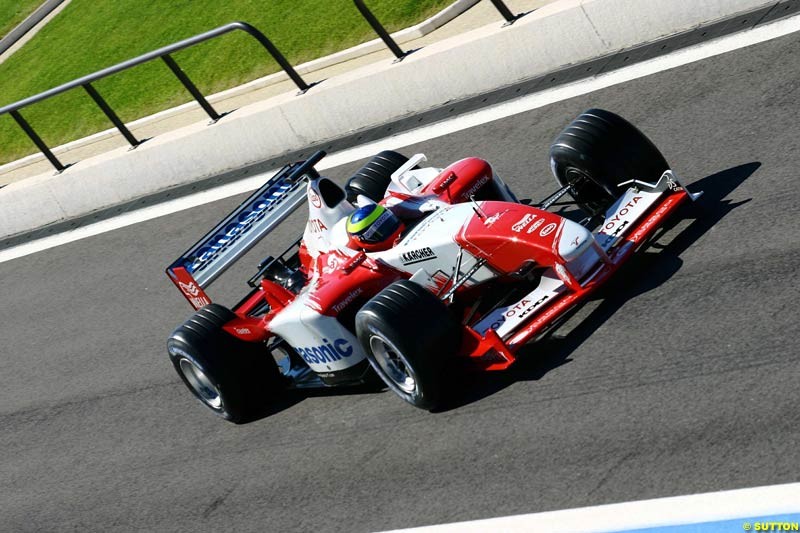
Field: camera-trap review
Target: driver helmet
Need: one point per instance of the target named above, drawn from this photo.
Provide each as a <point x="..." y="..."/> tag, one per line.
<point x="373" y="227"/>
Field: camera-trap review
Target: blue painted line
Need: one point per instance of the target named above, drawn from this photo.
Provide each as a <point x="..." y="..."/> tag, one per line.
<point x="778" y="523"/>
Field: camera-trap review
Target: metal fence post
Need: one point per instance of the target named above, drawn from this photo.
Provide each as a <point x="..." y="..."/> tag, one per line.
<point x="162" y="53"/>
<point x="380" y="30"/>
<point x="184" y="79"/>
<point x="276" y="55"/>
<point x="103" y="105"/>
<point x="503" y="9"/>
<point x="37" y="140"/>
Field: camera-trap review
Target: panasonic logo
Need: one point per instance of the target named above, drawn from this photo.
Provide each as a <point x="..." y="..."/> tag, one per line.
<point x="328" y="352"/>
<point x="234" y="231"/>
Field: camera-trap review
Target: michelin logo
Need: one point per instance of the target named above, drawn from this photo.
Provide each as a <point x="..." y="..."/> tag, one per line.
<point x="328" y="352"/>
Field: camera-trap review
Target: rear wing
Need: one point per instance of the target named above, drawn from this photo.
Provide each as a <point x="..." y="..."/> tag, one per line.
<point x="255" y="218"/>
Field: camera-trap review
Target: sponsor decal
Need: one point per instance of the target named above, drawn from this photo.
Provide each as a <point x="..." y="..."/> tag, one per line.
<point x="242" y="331"/>
<point x="315" y="225"/>
<point x="654" y="219"/>
<point x="176" y="350"/>
<point x="519" y="311"/>
<point x="199" y="302"/>
<point x="535" y="225"/>
<point x="375" y="226"/>
<point x="417" y="256"/>
<point x="347" y="300"/>
<point x="192" y="292"/>
<point x="576" y="241"/>
<point x="494" y="218"/>
<point x="548" y="229"/>
<point x="533" y="306"/>
<point x="472" y="190"/>
<point x="332" y="265"/>
<point x="233" y="231"/>
<point x="521" y="223"/>
<point x="611" y="236"/>
<point x="314" y="197"/>
<point x="561" y="270"/>
<point x="327" y="352"/>
<point x="189" y="289"/>
<point x="611" y="222"/>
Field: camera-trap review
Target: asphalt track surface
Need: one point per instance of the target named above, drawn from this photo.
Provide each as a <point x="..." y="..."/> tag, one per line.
<point x="683" y="378"/>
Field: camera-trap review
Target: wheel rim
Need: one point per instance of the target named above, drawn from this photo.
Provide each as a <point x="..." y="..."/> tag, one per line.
<point x="282" y="359"/>
<point x="201" y="384"/>
<point x="393" y="363"/>
<point x="579" y="181"/>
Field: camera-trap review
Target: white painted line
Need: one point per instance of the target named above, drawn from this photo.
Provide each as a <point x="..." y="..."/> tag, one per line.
<point x="675" y="511"/>
<point x="719" y="46"/>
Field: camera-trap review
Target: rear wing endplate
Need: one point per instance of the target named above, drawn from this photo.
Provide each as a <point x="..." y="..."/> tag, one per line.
<point x="242" y="229"/>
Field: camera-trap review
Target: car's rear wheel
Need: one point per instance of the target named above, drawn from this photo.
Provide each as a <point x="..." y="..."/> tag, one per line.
<point x="235" y="379"/>
<point x="598" y="151"/>
<point x="374" y="177"/>
<point x="408" y="335"/>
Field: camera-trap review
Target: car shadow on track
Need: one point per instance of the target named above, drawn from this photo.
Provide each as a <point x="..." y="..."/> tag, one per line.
<point x="659" y="261"/>
<point x="291" y="397"/>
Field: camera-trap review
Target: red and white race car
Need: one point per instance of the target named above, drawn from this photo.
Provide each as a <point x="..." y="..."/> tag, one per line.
<point x="465" y="273"/>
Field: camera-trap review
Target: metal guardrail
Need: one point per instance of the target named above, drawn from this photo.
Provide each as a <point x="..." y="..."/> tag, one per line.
<point x="380" y="30"/>
<point x="392" y="45"/>
<point x="507" y="14"/>
<point x="164" y="54"/>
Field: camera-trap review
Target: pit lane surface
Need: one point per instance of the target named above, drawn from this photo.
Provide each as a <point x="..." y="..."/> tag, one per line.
<point x="683" y="379"/>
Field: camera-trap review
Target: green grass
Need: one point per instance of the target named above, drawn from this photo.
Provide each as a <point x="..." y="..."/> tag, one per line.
<point x="92" y="34"/>
<point x="12" y="12"/>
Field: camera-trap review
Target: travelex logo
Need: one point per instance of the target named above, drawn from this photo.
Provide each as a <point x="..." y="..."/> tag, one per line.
<point x="328" y="352"/>
<point x="241" y="225"/>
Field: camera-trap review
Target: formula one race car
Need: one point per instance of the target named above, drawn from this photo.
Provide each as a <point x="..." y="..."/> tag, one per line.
<point x="411" y="269"/>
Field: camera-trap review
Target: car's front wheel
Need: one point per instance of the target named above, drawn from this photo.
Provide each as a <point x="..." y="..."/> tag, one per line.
<point x="597" y="152"/>
<point x="408" y="335"/>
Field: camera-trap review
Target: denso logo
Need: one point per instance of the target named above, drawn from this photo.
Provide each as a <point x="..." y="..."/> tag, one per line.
<point x="233" y="231"/>
<point x="328" y="352"/>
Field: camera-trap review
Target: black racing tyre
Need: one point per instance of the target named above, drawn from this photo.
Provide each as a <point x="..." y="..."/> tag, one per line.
<point x="233" y="378"/>
<point x="408" y="335"/>
<point x="598" y="151"/>
<point x="372" y="179"/>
